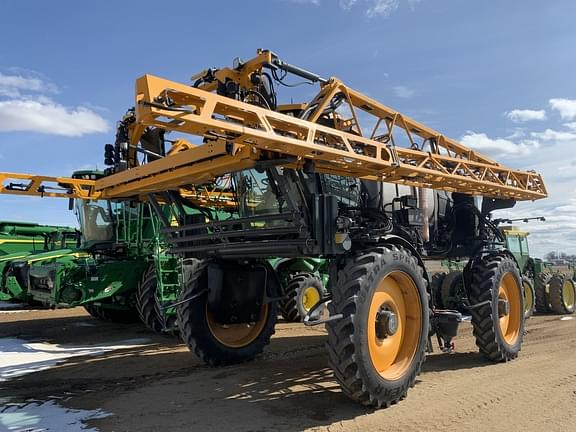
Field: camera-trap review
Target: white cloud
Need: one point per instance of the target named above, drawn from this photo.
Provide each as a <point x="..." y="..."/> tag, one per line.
<point x="571" y="125"/>
<point x="382" y="8"/>
<point x="375" y="8"/>
<point x="524" y="115"/>
<point x="403" y="91"/>
<point x="566" y="108"/>
<point x="25" y="107"/>
<point x="554" y="135"/>
<point x="314" y="2"/>
<point x="48" y="117"/>
<point x="498" y="147"/>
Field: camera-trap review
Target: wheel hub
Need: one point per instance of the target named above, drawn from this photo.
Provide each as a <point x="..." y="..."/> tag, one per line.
<point x="503" y="307"/>
<point x="386" y="323"/>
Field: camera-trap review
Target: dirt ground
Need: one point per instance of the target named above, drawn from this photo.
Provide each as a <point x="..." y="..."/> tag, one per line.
<point x="161" y="386"/>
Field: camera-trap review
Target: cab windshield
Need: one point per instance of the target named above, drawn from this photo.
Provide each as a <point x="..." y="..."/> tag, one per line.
<point x="95" y="219"/>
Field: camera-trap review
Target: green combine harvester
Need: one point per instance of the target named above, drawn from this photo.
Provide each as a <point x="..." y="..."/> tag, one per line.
<point x="90" y="269"/>
<point x="19" y="240"/>
<point x="26" y="237"/>
<point x="92" y="272"/>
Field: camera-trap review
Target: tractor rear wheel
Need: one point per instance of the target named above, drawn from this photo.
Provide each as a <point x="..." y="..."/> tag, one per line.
<point x="497" y="307"/>
<point x="436" y="288"/>
<point x="377" y="349"/>
<point x="541" y="292"/>
<point x="303" y="291"/>
<point x="148" y="306"/>
<point x="104" y="313"/>
<point x="214" y="343"/>
<point x="562" y="294"/>
<point x="452" y="291"/>
<point x="528" y="297"/>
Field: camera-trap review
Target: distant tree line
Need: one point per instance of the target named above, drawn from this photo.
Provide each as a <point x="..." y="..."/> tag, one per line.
<point x="560" y="257"/>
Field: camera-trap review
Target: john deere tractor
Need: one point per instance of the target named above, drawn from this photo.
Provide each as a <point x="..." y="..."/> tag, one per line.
<point x="545" y="290"/>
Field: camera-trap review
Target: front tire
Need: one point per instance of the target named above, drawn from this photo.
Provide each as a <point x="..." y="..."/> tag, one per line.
<point x="497" y="307"/>
<point x="378" y="347"/>
<point x="214" y="343"/>
<point x="562" y="294"/>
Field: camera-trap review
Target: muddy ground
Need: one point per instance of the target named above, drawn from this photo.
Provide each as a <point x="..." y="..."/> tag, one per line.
<point x="161" y="386"/>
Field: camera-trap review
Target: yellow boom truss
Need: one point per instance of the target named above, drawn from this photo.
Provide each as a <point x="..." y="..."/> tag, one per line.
<point x="235" y="135"/>
<point x="238" y="134"/>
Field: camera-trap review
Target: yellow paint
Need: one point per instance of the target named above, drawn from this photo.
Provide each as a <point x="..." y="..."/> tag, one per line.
<point x="393" y="355"/>
<point x="510" y="323"/>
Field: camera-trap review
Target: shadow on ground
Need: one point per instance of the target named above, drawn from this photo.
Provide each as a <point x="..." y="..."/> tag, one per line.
<point x="163" y="385"/>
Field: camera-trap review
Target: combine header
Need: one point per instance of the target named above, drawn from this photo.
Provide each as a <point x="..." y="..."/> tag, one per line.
<point x="309" y="182"/>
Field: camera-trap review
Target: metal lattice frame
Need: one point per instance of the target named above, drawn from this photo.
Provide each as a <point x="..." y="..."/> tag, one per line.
<point x="239" y="134"/>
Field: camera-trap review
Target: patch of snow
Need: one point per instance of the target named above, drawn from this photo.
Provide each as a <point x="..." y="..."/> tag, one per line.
<point x="4" y="305"/>
<point x="19" y="357"/>
<point x="46" y="417"/>
<point x="14" y="311"/>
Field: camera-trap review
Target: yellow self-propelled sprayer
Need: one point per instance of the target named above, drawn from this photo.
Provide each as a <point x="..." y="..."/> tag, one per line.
<point x="308" y="180"/>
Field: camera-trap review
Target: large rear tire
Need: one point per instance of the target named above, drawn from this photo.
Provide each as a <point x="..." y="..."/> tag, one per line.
<point x="562" y="294"/>
<point x="541" y="290"/>
<point x="497" y="307"/>
<point x="452" y="291"/>
<point x="214" y="343"/>
<point x="377" y="349"/>
<point x="149" y="308"/>
<point x="436" y="288"/>
<point x="107" y="314"/>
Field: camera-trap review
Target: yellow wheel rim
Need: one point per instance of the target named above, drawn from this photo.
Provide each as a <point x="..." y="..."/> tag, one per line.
<point x="528" y="298"/>
<point x="310" y="297"/>
<point x="236" y="335"/>
<point x="392" y="356"/>
<point x="568" y="293"/>
<point x="510" y="322"/>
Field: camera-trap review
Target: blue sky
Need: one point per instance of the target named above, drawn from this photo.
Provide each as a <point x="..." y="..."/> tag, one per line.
<point x="497" y="75"/>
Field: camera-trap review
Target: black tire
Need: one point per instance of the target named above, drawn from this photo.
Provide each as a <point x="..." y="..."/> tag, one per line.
<point x="562" y="294"/>
<point x="293" y="308"/>
<point x="103" y="313"/>
<point x="193" y="322"/>
<point x="436" y="288"/>
<point x="148" y="307"/>
<point x="452" y="291"/>
<point x="529" y="297"/>
<point x="353" y="295"/>
<point x="541" y="297"/>
<point x="488" y="276"/>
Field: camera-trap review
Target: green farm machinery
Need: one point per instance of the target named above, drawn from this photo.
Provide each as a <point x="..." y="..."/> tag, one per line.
<point x="545" y="290"/>
<point x="26" y="237"/>
<point x="89" y="267"/>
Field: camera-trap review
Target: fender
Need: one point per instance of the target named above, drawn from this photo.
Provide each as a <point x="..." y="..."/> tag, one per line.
<point x="399" y="241"/>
